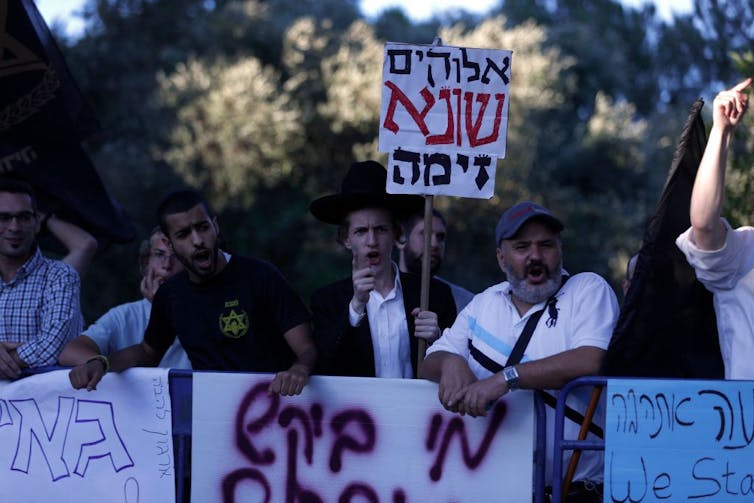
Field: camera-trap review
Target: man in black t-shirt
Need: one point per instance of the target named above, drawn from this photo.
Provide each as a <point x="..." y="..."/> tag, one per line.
<point x="229" y="312"/>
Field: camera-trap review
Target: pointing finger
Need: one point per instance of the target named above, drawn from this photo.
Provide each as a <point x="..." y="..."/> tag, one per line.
<point x="742" y="85"/>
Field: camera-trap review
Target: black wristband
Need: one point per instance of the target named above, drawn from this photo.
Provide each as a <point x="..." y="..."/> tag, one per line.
<point x="103" y="360"/>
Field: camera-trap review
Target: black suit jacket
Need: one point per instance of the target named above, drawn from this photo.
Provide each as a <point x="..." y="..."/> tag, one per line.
<point x="347" y="351"/>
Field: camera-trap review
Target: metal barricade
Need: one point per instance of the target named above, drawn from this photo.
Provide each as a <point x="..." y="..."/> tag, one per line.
<point x="561" y="444"/>
<point x="181" y="389"/>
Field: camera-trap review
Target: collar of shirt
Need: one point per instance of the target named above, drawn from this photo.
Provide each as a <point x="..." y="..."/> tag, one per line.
<point x="395" y="291"/>
<point x="27" y="268"/>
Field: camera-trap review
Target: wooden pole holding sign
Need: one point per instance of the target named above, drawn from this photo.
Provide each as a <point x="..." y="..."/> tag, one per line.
<point x="443" y="124"/>
<point x="424" y="296"/>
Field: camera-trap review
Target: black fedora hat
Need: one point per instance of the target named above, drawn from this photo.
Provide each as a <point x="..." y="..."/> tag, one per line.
<point x="363" y="187"/>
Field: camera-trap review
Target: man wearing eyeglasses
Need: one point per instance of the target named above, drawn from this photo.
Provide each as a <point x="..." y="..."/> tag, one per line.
<point x="39" y="297"/>
<point x="124" y="325"/>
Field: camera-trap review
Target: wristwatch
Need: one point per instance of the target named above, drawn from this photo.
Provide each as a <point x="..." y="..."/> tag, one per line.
<point x="510" y="374"/>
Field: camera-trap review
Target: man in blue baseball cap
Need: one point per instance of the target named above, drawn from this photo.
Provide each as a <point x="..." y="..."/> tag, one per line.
<point x="480" y="359"/>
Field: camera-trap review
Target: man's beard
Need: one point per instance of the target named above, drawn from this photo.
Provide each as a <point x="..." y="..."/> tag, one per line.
<point x="533" y="294"/>
<point x="189" y="265"/>
<point x="414" y="262"/>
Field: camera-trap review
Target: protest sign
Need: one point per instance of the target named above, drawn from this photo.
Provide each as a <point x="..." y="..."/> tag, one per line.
<point x="669" y="440"/>
<point x="347" y="438"/>
<point x="66" y="445"/>
<point x="444" y="118"/>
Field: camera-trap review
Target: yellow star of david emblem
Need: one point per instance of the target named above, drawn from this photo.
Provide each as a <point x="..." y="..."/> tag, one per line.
<point x="234" y="325"/>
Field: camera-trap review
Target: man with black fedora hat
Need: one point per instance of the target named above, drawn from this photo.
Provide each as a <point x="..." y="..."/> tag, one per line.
<point x="368" y="323"/>
<point x="539" y="330"/>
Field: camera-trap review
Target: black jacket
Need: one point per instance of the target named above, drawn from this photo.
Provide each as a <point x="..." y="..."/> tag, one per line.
<point x="347" y="351"/>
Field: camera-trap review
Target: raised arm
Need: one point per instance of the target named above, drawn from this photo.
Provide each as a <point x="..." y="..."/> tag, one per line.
<point x="709" y="187"/>
<point x="80" y="244"/>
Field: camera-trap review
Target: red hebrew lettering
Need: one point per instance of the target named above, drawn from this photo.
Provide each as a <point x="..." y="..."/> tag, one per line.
<point x="397" y="96"/>
<point x="447" y="136"/>
<point x="473" y="129"/>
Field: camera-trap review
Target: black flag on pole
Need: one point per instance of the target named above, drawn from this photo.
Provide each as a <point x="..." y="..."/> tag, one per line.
<point x="39" y="96"/>
<point x="667" y="325"/>
<point x="43" y="118"/>
<point x="67" y="184"/>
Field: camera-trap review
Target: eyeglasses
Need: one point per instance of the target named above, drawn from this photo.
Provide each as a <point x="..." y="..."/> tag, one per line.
<point x="22" y="217"/>
<point x="162" y="256"/>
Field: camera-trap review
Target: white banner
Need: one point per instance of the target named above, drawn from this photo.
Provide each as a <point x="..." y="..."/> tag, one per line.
<point x="354" y="439"/>
<point x="444" y="118"/>
<point x="113" y="444"/>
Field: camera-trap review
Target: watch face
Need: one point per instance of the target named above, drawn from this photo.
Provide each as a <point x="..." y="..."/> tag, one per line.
<point x="511" y="377"/>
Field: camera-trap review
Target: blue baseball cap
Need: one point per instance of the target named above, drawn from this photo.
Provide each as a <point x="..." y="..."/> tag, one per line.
<point x="516" y="216"/>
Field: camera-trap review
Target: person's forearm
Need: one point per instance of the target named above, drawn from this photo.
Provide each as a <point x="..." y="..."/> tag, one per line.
<point x="42" y="351"/>
<point x="555" y="371"/>
<point x="138" y="355"/>
<point x="78" y="351"/>
<point x="709" y="191"/>
<point x="307" y="359"/>
<point x="431" y="367"/>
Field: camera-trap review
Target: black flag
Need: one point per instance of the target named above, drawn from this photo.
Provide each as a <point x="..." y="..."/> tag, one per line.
<point x="43" y="118"/>
<point x="667" y="325"/>
<point x="39" y="96"/>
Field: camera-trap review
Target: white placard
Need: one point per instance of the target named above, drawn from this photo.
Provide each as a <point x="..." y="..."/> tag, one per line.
<point x="113" y="444"/>
<point x="354" y="439"/>
<point x="444" y="118"/>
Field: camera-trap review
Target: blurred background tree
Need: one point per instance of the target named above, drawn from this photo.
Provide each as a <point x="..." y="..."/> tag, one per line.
<point x="263" y="104"/>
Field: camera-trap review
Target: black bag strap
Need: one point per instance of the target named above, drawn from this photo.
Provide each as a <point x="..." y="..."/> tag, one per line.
<point x="523" y="340"/>
<point x="572" y="414"/>
<point x="518" y="353"/>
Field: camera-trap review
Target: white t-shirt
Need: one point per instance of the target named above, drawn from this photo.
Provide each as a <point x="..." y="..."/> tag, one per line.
<point x="587" y="313"/>
<point x="124" y="326"/>
<point x="729" y="274"/>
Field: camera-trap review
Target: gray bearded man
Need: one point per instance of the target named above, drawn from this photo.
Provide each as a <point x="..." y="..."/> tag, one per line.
<point x="472" y="360"/>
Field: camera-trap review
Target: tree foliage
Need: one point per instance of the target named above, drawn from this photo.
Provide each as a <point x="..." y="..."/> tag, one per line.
<point x="264" y="104"/>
